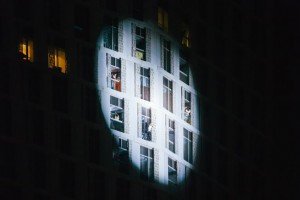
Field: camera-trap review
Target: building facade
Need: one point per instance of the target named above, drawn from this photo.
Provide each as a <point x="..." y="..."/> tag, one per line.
<point x="149" y="100"/>
<point x="206" y="68"/>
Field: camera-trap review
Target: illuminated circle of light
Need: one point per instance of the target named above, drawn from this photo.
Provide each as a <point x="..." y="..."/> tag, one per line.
<point x="148" y="100"/>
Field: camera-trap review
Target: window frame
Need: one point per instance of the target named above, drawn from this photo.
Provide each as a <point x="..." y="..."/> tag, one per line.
<point x="168" y="90"/>
<point x="188" y="145"/>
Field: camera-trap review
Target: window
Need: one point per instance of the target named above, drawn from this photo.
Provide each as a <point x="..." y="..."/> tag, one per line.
<point x="166" y="62"/>
<point x="146" y="163"/>
<point x="117" y="114"/>
<point x="186" y="106"/>
<point x="53" y="14"/>
<point x="146" y="124"/>
<point x="81" y="21"/>
<point x="57" y="59"/>
<point x="186" y="42"/>
<point x="187" y="145"/>
<point x="184" y="69"/>
<point x="145" y="84"/>
<point x="137" y="10"/>
<point x="67" y="178"/>
<point x="140" y="39"/>
<point x="168" y="94"/>
<point x="162" y="19"/>
<point x="60" y="94"/>
<point x="172" y="172"/>
<point x="171" y="134"/>
<point x="115" y="73"/>
<point x="111" y="34"/>
<point x="121" y="155"/>
<point x="92" y="145"/>
<point x="26" y="49"/>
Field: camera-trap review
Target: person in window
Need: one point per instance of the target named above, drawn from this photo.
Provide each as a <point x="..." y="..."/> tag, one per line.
<point x="113" y="78"/>
<point x="187" y="114"/>
<point x="117" y="117"/>
<point x="149" y="130"/>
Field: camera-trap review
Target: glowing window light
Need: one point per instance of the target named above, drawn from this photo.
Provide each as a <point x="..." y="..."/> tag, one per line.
<point x="162" y="19"/>
<point x="186" y="39"/>
<point x="26" y="49"/>
<point x="57" y="59"/>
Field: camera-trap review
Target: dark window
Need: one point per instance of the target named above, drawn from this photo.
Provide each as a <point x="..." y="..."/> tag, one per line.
<point x="53" y="10"/>
<point x="39" y="164"/>
<point x="188" y="145"/>
<point x="64" y="136"/>
<point x="67" y="178"/>
<point x="166" y="48"/>
<point x="123" y="189"/>
<point x="34" y="86"/>
<point x="60" y="94"/>
<point x="90" y="104"/>
<point x="6" y="117"/>
<point x="111" y="4"/>
<point x="23" y="9"/>
<point x="93" y="145"/>
<point x="87" y="65"/>
<point x="110" y="33"/>
<point x="172" y="172"/>
<point x="97" y="185"/>
<point x="82" y="22"/>
<point x="37" y="126"/>
<point x="121" y="155"/>
<point x="184" y="71"/>
<point x="137" y="9"/>
<point x="8" y="162"/>
<point x="146" y="163"/>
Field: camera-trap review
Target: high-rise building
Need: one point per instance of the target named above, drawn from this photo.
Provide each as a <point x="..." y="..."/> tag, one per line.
<point x="149" y="100"/>
<point x="111" y="99"/>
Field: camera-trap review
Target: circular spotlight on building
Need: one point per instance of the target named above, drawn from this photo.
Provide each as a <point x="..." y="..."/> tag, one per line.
<point x="149" y="101"/>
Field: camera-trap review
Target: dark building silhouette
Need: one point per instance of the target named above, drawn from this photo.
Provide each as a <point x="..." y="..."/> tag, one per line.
<point x="55" y="144"/>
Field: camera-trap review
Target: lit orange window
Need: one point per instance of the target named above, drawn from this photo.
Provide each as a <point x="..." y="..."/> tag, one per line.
<point x="57" y="59"/>
<point x="186" y="39"/>
<point x="26" y="49"/>
<point x="162" y="19"/>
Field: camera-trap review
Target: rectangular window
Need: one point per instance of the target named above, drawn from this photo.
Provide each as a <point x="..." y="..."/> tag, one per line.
<point x="172" y="172"/>
<point x="186" y="42"/>
<point x="146" y="124"/>
<point x="162" y="19"/>
<point x="111" y="34"/>
<point x="121" y="156"/>
<point x="117" y="114"/>
<point x="115" y="72"/>
<point x="168" y="94"/>
<point x="57" y="59"/>
<point x="145" y="84"/>
<point x="166" y="48"/>
<point x="187" y="145"/>
<point x="60" y="94"/>
<point x="184" y="70"/>
<point x="171" y="135"/>
<point x="186" y="105"/>
<point x="140" y="41"/>
<point x="26" y="49"/>
<point x="146" y="163"/>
